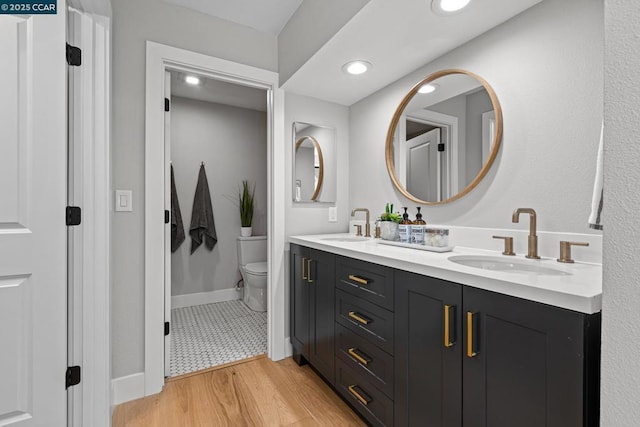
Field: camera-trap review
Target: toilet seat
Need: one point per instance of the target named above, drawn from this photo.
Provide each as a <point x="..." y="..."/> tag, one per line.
<point x="256" y="268"/>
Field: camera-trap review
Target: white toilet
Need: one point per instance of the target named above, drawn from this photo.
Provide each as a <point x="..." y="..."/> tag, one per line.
<point x="252" y="261"/>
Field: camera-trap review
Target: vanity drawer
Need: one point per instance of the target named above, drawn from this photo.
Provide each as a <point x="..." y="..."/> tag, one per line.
<point x="365" y="319"/>
<point x="368" y="281"/>
<point x="367" y="359"/>
<point x="370" y="402"/>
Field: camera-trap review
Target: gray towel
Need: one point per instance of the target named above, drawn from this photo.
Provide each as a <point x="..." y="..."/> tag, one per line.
<point x="177" y="228"/>
<point x="202" y="224"/>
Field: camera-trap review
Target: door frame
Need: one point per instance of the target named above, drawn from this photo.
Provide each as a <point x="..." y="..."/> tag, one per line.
<point x="89" y="127"/>
<point x="159" y="58"/>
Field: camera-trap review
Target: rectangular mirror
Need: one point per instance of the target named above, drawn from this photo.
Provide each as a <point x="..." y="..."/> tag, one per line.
<point x="314" y="163"/>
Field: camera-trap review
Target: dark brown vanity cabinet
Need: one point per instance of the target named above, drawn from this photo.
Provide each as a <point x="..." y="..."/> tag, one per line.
<point x="470" y="357"/>
<point x="428" y="359"/>
<point x="312" y="309"/>
<point x="405" y="349"/>
<point x="528" y="364"/>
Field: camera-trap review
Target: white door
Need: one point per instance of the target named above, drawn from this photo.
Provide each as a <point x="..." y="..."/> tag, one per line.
<point x="167" y="228"/>
<point x="33" y="311"/>
<point x="423" y="166"/>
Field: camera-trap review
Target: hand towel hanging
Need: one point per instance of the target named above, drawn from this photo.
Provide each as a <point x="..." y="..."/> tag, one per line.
<point x="202" y="224"/>
<point x="177" y="228"/>
<point x="595" y="219"/>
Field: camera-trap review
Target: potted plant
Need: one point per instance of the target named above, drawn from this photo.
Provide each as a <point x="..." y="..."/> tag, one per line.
<point x="245" y="198"/>
<point x="389" y="223"/>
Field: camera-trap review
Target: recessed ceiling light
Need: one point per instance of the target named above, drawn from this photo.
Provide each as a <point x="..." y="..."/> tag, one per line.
<point x="448" y="7"/>
<point x="192" y="80"/>
<point x="356" y="67"/>
<point x="428" y="88"/>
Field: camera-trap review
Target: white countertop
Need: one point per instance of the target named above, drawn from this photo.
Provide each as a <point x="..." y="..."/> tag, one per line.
<point x="579" y="290"/>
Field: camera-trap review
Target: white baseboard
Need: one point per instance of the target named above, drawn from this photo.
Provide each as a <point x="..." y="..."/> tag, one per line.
<point x="188" y="300"/>
<point x="288" y="348"/>
<point x="127" y="388"/>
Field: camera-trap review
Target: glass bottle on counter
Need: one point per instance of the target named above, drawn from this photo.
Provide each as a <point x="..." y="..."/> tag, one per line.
<point x="404" y="228"/>
<point x="417" y="229"/>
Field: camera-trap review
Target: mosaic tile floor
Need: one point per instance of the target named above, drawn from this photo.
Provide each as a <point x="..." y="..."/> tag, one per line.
<point x="208" y="335"/>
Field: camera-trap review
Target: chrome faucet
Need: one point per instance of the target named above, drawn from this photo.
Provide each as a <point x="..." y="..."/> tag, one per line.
<point x="533" y="239"/>
<point x="367" y="226"/>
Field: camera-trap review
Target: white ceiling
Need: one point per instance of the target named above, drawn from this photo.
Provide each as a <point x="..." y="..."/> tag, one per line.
<point x="268" y="16"/>
<point x="397" y="37"/>
<point x="220" y="92"/>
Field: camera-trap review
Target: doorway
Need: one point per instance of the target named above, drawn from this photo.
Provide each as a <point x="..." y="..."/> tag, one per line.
<point x="215" y="137"/>
<point x="159" y="59"/>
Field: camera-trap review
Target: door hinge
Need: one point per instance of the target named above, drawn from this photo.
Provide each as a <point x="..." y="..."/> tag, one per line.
<point x="74" y="55"/>
<point x="167" y="104"/>
<point x="74" y="215"/>
<point x="167" y="217"/>
<point x="73" y="376"/>
<point x="167" y="328"/>
<point x="441" y="146"/>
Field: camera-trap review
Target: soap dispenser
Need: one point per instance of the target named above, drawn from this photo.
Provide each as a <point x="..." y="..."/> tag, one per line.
<point x="417" y="229"/>
<point x="404" y="228"/>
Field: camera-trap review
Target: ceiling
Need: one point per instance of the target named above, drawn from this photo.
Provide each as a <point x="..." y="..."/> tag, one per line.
<point x="397" y="37"/>
<point x="220" y="92"/>
<point x="267" y="16"/>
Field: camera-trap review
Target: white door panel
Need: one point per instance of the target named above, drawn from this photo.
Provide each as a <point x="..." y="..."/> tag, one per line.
<point x="32" y="220"/>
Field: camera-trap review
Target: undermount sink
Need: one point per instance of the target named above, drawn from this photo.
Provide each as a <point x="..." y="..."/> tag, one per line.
<point x="506" y="265"/>
<point x="345" y="239"/>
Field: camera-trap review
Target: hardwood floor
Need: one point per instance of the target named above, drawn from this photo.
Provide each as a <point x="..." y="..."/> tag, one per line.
<point x="257" y="392"/>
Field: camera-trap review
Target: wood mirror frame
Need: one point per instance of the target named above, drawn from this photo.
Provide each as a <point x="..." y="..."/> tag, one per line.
<point x="316" y="145"/>
<point x="389" y="155"/>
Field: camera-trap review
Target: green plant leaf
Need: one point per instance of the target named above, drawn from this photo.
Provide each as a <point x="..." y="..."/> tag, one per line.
<point x="245" y="199"/>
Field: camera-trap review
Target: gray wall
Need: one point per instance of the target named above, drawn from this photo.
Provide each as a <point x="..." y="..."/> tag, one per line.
<point x="305" y="171"/>
<point x="546" y="67"/>
<point x="312" y="25"/>
<point x="621" y="296"/>
<point x="233" y="144"/>
<point x="134" y="22"/>
<point x="327" y="140"/>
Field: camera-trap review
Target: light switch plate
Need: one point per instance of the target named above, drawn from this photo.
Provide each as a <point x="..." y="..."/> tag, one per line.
<point x="333" y="214"/>
<point x="124" y="201"/>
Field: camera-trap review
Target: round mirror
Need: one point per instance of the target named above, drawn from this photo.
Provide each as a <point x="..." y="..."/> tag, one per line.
<point x="443" y="137"/>
<point x="309" y="168"/>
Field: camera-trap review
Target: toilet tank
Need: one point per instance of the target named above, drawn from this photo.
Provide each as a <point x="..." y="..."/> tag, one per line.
<point x="252" y="249"/>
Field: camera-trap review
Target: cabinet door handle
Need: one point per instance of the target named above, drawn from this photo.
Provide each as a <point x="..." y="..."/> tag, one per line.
<point x="449" y="323"/>
<point x="304" y="277"/>
<point x="357" y="392"/>
<point x="309" y="271"/>
<point x="359" y="356"/>
<point x="358" y="279"/>
<point x="471" y="350"/>
<point x="359" y="317"/>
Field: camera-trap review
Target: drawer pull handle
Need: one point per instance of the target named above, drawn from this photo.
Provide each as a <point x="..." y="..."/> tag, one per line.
<point x="358" y="279"/>
<point x="359" y="318"/>
<point x="471" y="351"/>
<point x="359" y="394"/>
<point x="449" y="322"/>
<point x="304" y="277"/>
<point x="359" y="356"/>
<point x="309" y="271"/>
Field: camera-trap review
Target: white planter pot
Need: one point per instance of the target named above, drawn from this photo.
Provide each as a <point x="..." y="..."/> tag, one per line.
<point x="389" y="230"/>
<point x="245" y="231"/>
